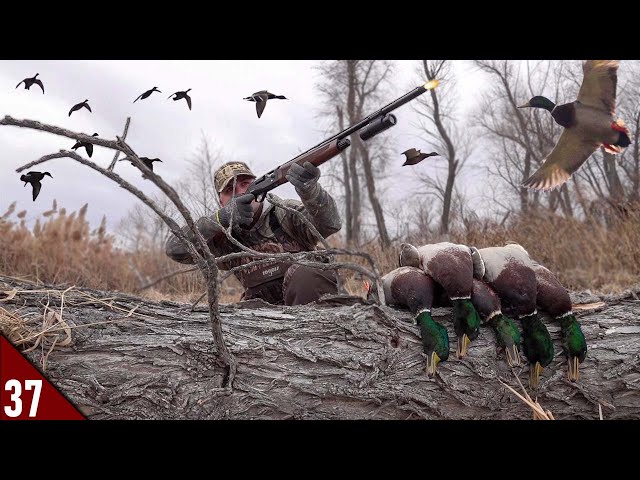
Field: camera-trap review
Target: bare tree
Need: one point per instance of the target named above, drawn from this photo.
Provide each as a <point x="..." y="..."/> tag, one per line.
<point x="449" y="139"/>
<point x="351" y="87"/>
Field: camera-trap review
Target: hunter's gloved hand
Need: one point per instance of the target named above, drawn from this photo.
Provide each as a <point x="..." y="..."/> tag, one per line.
<point x="304" y="178"/>
<point x="239" y="208"/>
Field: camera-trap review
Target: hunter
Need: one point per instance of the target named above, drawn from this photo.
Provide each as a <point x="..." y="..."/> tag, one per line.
<point x="264" y="227"/>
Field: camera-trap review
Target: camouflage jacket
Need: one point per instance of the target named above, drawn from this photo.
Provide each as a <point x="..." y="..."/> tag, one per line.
<point x="276" y="230"/>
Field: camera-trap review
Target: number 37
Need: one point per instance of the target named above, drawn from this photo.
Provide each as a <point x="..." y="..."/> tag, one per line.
<point x="16" y="386"/>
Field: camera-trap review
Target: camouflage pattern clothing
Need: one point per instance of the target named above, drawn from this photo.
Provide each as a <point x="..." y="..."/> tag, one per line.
<point x="275" y="231"/>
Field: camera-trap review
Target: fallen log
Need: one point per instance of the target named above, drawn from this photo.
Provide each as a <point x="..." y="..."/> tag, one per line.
<point x="123" y="357"/>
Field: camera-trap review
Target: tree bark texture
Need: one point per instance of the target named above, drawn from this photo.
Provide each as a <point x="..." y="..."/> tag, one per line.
<point x="338" y="359"/>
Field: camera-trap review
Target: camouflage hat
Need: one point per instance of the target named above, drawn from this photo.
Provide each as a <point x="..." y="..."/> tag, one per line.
<point x="226" y="172"/>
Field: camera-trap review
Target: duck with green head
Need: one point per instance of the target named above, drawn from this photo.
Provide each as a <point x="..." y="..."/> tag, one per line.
<point x="488" y="305"/>
<point x="411" y="287"/>
<point x="450" y="266"/>
<point x="554" y="300"/>
<point x="589" y="123"/>
<point x="509" y="272"/>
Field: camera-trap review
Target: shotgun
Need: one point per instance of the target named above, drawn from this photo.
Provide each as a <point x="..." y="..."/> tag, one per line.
<point x="368" y="127"/>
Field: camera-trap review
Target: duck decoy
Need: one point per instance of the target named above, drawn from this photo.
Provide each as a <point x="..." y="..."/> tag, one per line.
<point x="34" y="179"/>
<point x="28" y="82"/>
<point x="416" y="156"/>
<point x="488" y="305"/>
<point x="451" y="266"/>
<point x="146" y="94"/>
<point x="509" y="272"/>
<point x="589" y="122"/>
<point x="180" y="95"/>
<point x="412" y="288"/>
<point x="88" y="146"/>
<point x="80" y="105"/>
<point x="261" y="98"/>
<point x="553" y="299"/>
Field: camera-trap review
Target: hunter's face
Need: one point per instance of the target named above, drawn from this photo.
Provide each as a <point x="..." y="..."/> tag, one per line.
<point x="242" y="183"/>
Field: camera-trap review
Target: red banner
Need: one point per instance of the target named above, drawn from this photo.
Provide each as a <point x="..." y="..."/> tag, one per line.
<point x="25" y="394"/>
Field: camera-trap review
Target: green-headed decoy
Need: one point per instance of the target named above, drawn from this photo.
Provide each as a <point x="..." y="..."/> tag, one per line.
<point x="451" y="266"/>
<point x="410" y="287"/>
<point x="554" y="300"/>
<point x="488" y="305"/>
<point x="34" y="179"/>
<point x="180" y="95"/>
<point x="80" y="105"/>
<point x="589" y="122"/>
<point x="146" y="94"/>
<point x="88" y="146"/>
<point x="28" y="82"/>
<point x="261" y="98"/>
<point x="416" y="156"/>
<point x="509" y="272"/>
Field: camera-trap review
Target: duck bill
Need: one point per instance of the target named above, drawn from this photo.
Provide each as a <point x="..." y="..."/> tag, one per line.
<point x="463" y="344"/>
<point x="513" y="356"/>
<point x="432" y="364"/>
<point x="534" y="375"/>
<point x="525" y="105"/>
<point x="574" y="369"/>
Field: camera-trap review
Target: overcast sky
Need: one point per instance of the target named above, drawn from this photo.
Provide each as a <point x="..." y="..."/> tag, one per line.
<point x="166" y="129"/>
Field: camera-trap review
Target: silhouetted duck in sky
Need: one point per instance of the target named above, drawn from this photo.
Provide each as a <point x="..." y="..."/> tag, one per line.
<point x="146" y="94"/>
<point x="78" y="106"/>
<point x="87" y="146"/>
<point x="589" y="122"/>
<point x="261" y="98"/>
<point x="28" y="82"/>
<point x="34" y="179"/>
<point x="180" y="95"/>
<point x="148" y="162"/>
<point x="416" y="156"/>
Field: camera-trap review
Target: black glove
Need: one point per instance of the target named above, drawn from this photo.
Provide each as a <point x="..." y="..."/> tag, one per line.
<point x="239" y="208"/>
<point x="304" y="178"/>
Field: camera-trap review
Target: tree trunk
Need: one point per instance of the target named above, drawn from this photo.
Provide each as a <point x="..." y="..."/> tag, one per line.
<point x="347" y="184"/>
<point x="383" y="235"/>
<point x="322" y="361"/>
<point x="353" y="155"/>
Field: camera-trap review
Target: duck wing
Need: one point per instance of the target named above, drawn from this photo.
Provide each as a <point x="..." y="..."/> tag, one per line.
<point x="86" y="105"/>
<point x="139" y="97"/>
<point x="261" y="102"/>
<point x="20" y="83"/>
<point x="39" y="83"/>
<point x="89" y="148"/>
<point x="598" y="88"/>
<point x="36" y="189"/>
<point x="571" y="151"/>
<point x="188" y="99"/>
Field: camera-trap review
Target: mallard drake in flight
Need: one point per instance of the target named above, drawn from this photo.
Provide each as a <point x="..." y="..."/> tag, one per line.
<point x="80" y="105"/>
<point x="34" y="179"/>
<point x="179" y="95"/>
<point x="28" y="82"/>
<point x="261" y="98"/>
<point x="509" y="272"/>
<point x="554" y="300"/>
<point x="589" y="122"/>
<point x="416" y="156"/>
<point x="146" y="94"/>
<point x="451" y="266"/>
<point x="488" y="305"/>
<point x="410" y="287"/>
<point x="88" y="146"/>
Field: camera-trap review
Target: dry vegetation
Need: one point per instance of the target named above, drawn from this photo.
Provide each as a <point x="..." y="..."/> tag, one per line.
<point x="62" y="249"/>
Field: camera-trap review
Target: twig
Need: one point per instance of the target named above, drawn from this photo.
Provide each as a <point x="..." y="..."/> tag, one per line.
<point x="164" y="277"/>
<point x="124" y="136"/>
<point x="198" y="249"/>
